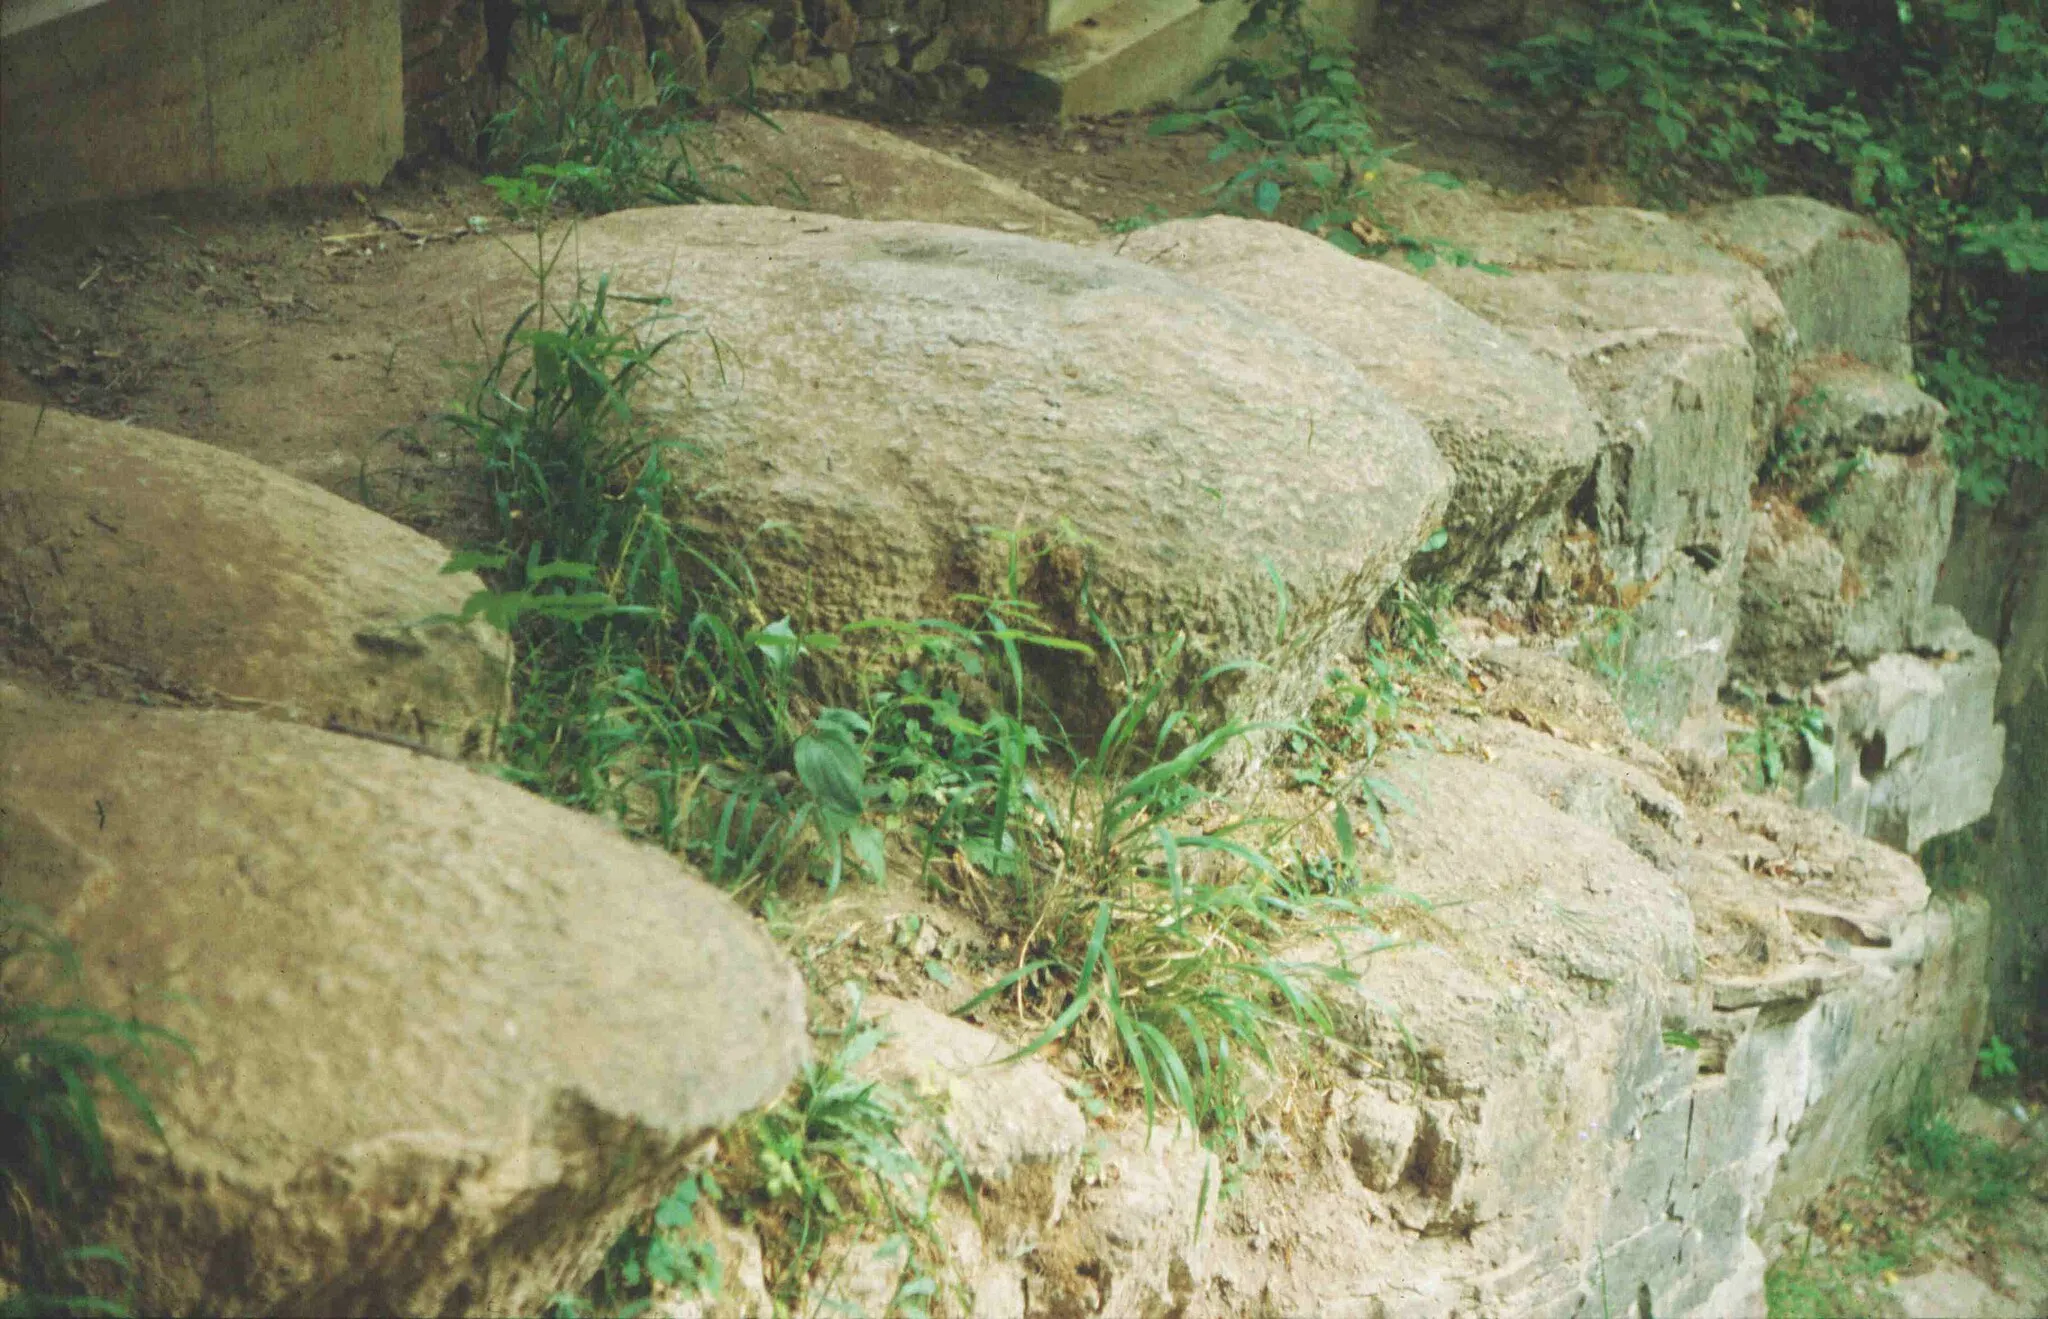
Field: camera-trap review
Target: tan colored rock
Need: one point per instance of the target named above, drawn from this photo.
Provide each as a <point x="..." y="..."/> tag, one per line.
<point x="448" y="1038"/>
<point x="1840" y="406"/>
<point x="1509" y="421"/>
<point x="1890" y="515"/>
<point x="897" y="398"/>
<point x="1669" y="363"/>
<point x="1379" y="1135"/>
<point x="815" y="162"/>
<point x="197" y="570"/>
<point x="1017" y="1133"/>
<point x="1142" y="1227"/>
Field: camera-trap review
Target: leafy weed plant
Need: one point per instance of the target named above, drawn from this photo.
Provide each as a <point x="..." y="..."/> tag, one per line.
<point x="577" y="119"/>
<point x="1780" y="738"/>
<point x="826" y="1171"/>
<point x="1299" y="138"/>
<point x="1149" y="921"/>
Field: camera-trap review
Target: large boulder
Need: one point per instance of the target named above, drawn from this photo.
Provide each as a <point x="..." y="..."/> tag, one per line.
<point x="190" y="570"/>
<point x="446" y="1038"/>
<point x="893" y="405"/>
<point x="1509" y="421"/>
<point x="1629" y="1042"/>
<point x="815" y="162"/>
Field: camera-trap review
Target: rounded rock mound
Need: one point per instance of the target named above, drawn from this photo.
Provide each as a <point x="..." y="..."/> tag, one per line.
<point x="446" y="1039"/>
<point x="189" y="569"/>
<point x="884" y="408"/>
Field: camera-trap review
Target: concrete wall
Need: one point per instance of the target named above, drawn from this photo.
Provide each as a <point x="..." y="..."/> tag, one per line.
<point x="133" y="97"/>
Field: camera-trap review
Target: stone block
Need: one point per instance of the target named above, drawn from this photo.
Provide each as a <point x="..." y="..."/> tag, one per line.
<point x="1917" y="747"/>
<point x="1890" y="515"/>
<point x="136" y="97"/>
<point x="1843" y="281"/>
<point x="1792" y="606"/>
<point x="1841" y="406"/>
<point x="1508" y="419"/>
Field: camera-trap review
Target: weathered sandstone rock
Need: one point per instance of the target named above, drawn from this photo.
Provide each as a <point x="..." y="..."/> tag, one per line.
<point x="1669" y="365"/>
<point x="447" y="1038"/>
<point x="199" y="571"/>
<point x="1011" y="1124"/>
<point x="1634" y="1046"/>
<point x="1918" y="749"/>
<point x="896" y="401"/>
<point x="1841" y="405"/>
<point x="1509" y="421"/>
<point x="1890" y="514"/>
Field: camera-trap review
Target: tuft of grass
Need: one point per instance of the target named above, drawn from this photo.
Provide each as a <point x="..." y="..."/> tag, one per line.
<point x="60" y="1058"/>
<point x="577" y="122"/>
<point x="1149" y="918"/>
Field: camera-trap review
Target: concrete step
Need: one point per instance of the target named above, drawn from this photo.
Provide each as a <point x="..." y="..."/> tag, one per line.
<point x="1128" y="56"/>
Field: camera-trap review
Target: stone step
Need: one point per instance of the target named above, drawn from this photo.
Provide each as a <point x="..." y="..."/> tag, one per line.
<point x="1063" y="14"/>
<point x="1130" y="55"/>
<point x="1843" y="406"/>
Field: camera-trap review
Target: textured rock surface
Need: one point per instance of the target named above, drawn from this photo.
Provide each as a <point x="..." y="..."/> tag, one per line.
<point x="1143" y="1225"/>
<point x="1842" y="406"/>
<point x="1842" y="280"/>
<point x="844" y="167"/>
<point x="1014" y="1128"/>
<point x="1891" y="517"/>
<point x="192" y="569"/>
<point x="1918" y="749"/>
<point x="894" y="393"/>
<point x="1558" y="1146"/>
<point x="1509" y="421"/>
<point x="1669" y="365"/>
<point x="1792" y="606"/>
<point x="448" y="1038"/>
